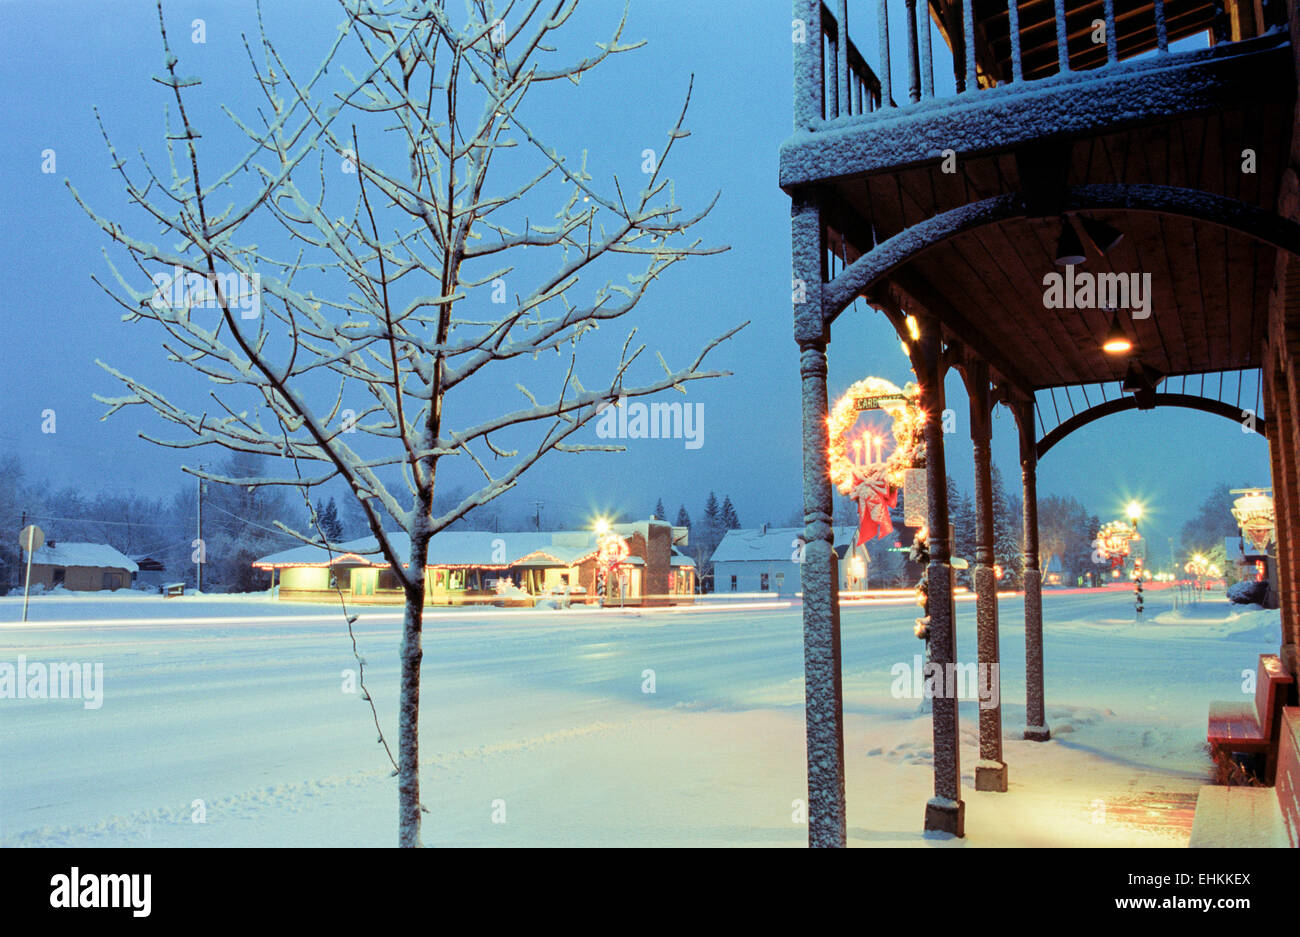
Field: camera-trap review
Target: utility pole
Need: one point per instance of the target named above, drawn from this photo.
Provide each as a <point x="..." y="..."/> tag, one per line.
<point x="537" y="520"/>
<point x="21" y="527"/>
<point x="200" y="554"/>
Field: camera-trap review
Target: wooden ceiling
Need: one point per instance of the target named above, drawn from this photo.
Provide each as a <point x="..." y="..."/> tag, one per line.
<point x="1210" y="285"/>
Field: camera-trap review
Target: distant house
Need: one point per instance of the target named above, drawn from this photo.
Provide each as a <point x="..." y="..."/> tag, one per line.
<point x="81" y="567"/>
<point x="471" y="567"/>
<point x="767" y="559"/>
<point x="152" y="572"/>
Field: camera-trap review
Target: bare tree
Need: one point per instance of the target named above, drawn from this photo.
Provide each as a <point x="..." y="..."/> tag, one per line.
<point x="368" y="299"/>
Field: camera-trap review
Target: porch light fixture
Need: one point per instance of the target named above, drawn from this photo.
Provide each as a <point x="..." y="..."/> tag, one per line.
<point x="1116" y="343"/>
<point x="1134" y="379"/>
<point x="1069" y="249"/>
<point x="1102" y="235"/>
<point x="1141" y="381"/>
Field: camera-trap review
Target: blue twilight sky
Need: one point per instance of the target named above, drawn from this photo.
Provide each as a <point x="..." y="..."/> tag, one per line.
<point x="60" y="59"/>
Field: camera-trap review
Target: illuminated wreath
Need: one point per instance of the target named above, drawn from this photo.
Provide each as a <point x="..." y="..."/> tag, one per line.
<point x="874" y="485"/>
<point x="902" y="405"/>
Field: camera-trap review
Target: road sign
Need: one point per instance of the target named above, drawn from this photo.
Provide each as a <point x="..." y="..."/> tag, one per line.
<point x="876" y="401"/>
<point x="31" y="538"/>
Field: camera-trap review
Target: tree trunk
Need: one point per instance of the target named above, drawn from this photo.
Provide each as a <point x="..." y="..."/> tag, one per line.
<point x="408" y="720"/>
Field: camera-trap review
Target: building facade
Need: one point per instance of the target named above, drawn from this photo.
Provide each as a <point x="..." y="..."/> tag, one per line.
<point x="80" y="567"/>
<point x="1077" y="228"/>
<point x="768" y="560"/>
<point x="505" y="568"/>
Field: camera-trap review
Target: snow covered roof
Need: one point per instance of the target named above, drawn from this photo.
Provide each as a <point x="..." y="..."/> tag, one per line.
<point x="482" y="548"/>
<point x="99" y="555"/>
<point x="772" y="544"/>
<point x="681" y="559"/>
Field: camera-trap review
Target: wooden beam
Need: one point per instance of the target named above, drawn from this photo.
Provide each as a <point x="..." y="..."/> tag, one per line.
<point x="925" y="295"/>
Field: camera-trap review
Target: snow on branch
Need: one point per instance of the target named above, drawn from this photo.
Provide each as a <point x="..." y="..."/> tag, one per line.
<point x="368" y="297"/>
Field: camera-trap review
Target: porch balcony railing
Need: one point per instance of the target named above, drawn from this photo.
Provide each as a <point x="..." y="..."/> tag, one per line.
<point x="1025" y="40"/>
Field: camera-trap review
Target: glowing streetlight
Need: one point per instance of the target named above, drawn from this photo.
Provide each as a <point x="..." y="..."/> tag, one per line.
<point x="1134" y="511"/>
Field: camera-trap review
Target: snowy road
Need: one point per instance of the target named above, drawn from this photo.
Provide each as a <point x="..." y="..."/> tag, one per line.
<point x="235" y="712"/>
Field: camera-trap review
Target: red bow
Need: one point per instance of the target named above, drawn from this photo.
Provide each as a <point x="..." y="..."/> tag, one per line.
<point x="875" y="496"/>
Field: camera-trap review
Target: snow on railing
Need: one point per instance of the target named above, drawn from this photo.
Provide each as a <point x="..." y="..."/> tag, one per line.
<point x="849" y="86"/>
<point x="834" y="79"/>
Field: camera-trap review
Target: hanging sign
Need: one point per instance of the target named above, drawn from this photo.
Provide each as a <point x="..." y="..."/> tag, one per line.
<point x="916" y="498"/>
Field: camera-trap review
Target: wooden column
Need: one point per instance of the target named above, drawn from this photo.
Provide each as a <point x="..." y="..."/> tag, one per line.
<point x="991" y="772"/>
<point x="1036" y="729"/>
<point x="1281" y="420"/>
<point x="1280" y="571"/>
<point x="1289" y="394"/>
<point x="913" y="54"/>
<point x="945" y="812"/>
<point x="823" y="693"/>
<point x="809" y="76"/>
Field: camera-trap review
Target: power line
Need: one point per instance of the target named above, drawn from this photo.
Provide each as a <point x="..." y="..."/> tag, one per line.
<point x="95" y="520"/>
<point x="245" y="520"/>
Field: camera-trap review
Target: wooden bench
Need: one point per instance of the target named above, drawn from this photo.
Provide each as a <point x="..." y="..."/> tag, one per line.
<point x="1251" y="728"/>
<point x="1255" y="816"/>
<point x="173" y="590"/>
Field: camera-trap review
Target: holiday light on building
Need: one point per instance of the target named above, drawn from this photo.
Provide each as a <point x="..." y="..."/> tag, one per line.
<point x="1254" y="514"/>
<point x="611" y="551"/>
<point x="1114" y="541"/>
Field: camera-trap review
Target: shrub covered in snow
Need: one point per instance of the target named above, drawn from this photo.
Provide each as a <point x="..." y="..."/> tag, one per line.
<point x="1247" y="593"/>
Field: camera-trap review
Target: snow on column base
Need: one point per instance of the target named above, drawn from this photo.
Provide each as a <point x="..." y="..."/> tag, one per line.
<point x="943" y="815"/>
<point x="991" y="776"/>
<point x="1037" y="733"/>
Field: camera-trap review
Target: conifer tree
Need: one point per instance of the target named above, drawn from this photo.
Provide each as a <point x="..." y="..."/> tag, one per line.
<point x="730" y="520"/>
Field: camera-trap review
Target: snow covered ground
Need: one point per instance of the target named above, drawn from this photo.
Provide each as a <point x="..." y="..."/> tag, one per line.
<point x="232" y="710"/>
